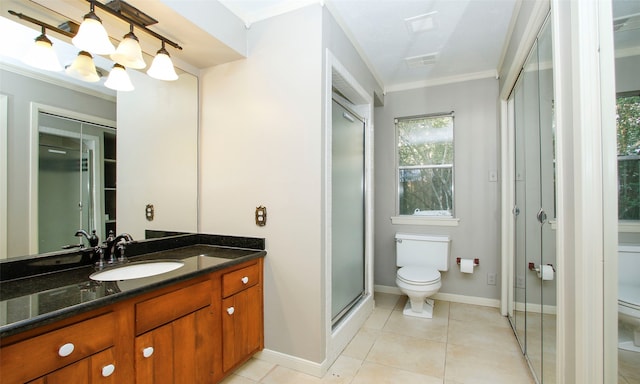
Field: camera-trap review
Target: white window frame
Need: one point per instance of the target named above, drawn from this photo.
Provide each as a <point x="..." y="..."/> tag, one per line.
<point x="448" y="220"/>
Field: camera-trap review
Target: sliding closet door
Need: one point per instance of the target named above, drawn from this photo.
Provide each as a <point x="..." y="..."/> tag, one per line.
<point x="347" y="213"/>
<point x="534" y="293"/>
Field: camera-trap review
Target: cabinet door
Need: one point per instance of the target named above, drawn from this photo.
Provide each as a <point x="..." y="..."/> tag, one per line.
<point x="154" y="356"/>
<point x="241" y="326"/>
<point x="96" y="369"/>
<point x="178" y="352"/>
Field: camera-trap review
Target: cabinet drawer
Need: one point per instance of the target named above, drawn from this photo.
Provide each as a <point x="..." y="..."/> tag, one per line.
<point x="236" y="281"/>
<point x="42" y="354"/>
<point x="165" y="308"/>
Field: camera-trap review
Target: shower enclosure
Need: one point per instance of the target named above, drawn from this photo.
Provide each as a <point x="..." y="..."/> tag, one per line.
<point x="347" y="213"/>
<point x="70" y="169"/>
<point x="533" y="295"/>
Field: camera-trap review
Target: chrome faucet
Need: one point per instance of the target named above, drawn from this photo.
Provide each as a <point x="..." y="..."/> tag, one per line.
<point x="119" y="243"/>
<point x="93" y="239"/>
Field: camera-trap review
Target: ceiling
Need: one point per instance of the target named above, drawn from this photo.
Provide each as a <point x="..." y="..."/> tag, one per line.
<point x="456" y="40"/>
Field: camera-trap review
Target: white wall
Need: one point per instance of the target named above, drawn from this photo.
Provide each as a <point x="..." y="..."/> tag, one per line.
<point x="261" y="144"/>
<point x="476" y="198"/>
<point x="157" y="155"/>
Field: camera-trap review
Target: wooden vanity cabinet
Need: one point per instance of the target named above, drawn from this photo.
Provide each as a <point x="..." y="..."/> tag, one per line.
<point x="174" y="338"/>
<point x="195" y="331"/>
<point x="82" y="352"/>
<point x="242" y="314"/>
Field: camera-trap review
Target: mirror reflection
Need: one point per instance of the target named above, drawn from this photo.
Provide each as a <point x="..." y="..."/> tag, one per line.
<point x="62" y="171"/>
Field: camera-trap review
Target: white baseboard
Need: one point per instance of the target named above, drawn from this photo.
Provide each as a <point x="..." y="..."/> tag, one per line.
<point x="291" y="362"/>
<point x="536" y="308"/>
<point x="452" y="297"/>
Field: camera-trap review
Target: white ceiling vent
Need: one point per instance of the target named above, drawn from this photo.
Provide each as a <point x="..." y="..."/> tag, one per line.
<point x="421" y="23"/>
<point x="422" y="60"/>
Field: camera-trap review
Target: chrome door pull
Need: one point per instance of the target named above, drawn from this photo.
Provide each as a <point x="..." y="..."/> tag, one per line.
<point x="542" y="216"/>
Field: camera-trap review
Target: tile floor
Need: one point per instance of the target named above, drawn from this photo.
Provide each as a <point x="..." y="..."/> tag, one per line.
<point x="462" y="344"/>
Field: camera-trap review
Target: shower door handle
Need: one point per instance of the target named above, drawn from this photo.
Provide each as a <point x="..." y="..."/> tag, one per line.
<point x="542" y="216"/>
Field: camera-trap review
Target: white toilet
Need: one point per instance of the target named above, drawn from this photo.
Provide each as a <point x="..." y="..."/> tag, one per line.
<point x="420" y="258"/>
<point x="629" y="297"/>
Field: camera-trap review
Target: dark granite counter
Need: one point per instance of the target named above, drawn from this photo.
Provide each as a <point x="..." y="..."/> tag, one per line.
<point x="41" y="290"/>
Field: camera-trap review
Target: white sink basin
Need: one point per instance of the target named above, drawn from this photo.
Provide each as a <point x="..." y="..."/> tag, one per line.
<point x="137" y="270"/>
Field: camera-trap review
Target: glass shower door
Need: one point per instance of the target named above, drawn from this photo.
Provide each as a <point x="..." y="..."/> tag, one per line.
<point x="347" y="212"/>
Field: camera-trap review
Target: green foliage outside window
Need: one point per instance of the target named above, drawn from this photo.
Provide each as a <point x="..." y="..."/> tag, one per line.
<point x="425" y="165"/>
<point x="628" y="130"/>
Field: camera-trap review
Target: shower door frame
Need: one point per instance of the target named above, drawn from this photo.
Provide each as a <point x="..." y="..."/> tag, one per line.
<point x="34" y="129"/>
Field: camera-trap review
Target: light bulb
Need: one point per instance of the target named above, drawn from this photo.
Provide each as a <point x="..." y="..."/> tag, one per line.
<point x="41" y="55"/>
<point x="83" y="68"/>
<point x="92" y="37"/>
<point x="162" y="66"/>
<point x="129" y="53"/>
<point x="119" y="79"/>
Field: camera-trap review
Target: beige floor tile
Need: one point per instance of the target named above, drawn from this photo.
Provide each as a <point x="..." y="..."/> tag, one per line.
<point x="408" y="353"/>
<point x="236" y="379"/>
<point x="430" y="329"/>
<point x="385" y="300"/>
<point x="361" y="343"/>
<point x="477" y="314"/>
<point x="255" y="369"/>
<point x="478" y="365"/>
<point x="282" y="375"/>
<point x="629" y="365"/>
<point x="378" y="318"/>
<point x="343" y="370"/>
<point x="483" y="335"/>
<point x="381" y="374"/>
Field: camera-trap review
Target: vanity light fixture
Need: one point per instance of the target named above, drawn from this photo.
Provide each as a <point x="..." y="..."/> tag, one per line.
<point x="41" y="54"/>
<point x="162" y="66"/>
<point x="83" y="68"/>
<point x="92" y="37"/>
<point x="118" y="79"/>
<point x="129" y="53"/>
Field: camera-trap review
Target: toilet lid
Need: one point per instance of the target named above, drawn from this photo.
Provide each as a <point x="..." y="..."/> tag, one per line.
<point x="419" y="275"/>
<point x="629" y="295"/>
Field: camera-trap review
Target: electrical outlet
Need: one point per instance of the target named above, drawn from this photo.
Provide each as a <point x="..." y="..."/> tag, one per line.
<point x="491" y="278"/>
<point x="520" y="282"/>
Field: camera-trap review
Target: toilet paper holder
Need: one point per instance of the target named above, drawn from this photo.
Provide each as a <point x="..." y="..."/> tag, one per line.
<point x="476" y="262"/>
<point x="532" y="267"/>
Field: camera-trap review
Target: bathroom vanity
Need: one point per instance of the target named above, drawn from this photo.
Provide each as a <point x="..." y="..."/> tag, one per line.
<point x="191" y="325"/>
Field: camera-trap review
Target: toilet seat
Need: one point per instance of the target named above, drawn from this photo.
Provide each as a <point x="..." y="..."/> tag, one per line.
<point x="418" y="275"/>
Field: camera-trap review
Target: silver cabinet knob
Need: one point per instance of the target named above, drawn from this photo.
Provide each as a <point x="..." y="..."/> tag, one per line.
<point x="245" y="280"/>
<point x="230" y="310"/>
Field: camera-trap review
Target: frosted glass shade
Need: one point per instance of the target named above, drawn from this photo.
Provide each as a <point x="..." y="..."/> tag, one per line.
<point x="83" y="68"/>
<point x="162" y="67"/>
<point x="119" y="79"/>
<point x="41" y="55"/>
<point x="92" y="37"/>
<point x="129" y="53"/>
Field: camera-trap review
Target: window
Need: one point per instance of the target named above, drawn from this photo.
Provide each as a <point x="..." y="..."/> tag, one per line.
<point x="628" y="132"/>
<point x="425" y="165"/>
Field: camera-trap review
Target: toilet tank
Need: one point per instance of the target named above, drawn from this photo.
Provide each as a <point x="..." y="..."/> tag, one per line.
<point x="628" y="264"/>
<point x="422" y="250"/>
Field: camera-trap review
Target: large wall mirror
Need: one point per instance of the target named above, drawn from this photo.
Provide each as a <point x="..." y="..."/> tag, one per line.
<point x="80" y="156"/>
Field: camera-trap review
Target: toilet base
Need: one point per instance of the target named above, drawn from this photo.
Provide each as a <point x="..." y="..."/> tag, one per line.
<point x="427" y="310"/>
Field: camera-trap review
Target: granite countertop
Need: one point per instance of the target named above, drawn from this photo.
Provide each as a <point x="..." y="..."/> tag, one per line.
<point x="35" y="300"/>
